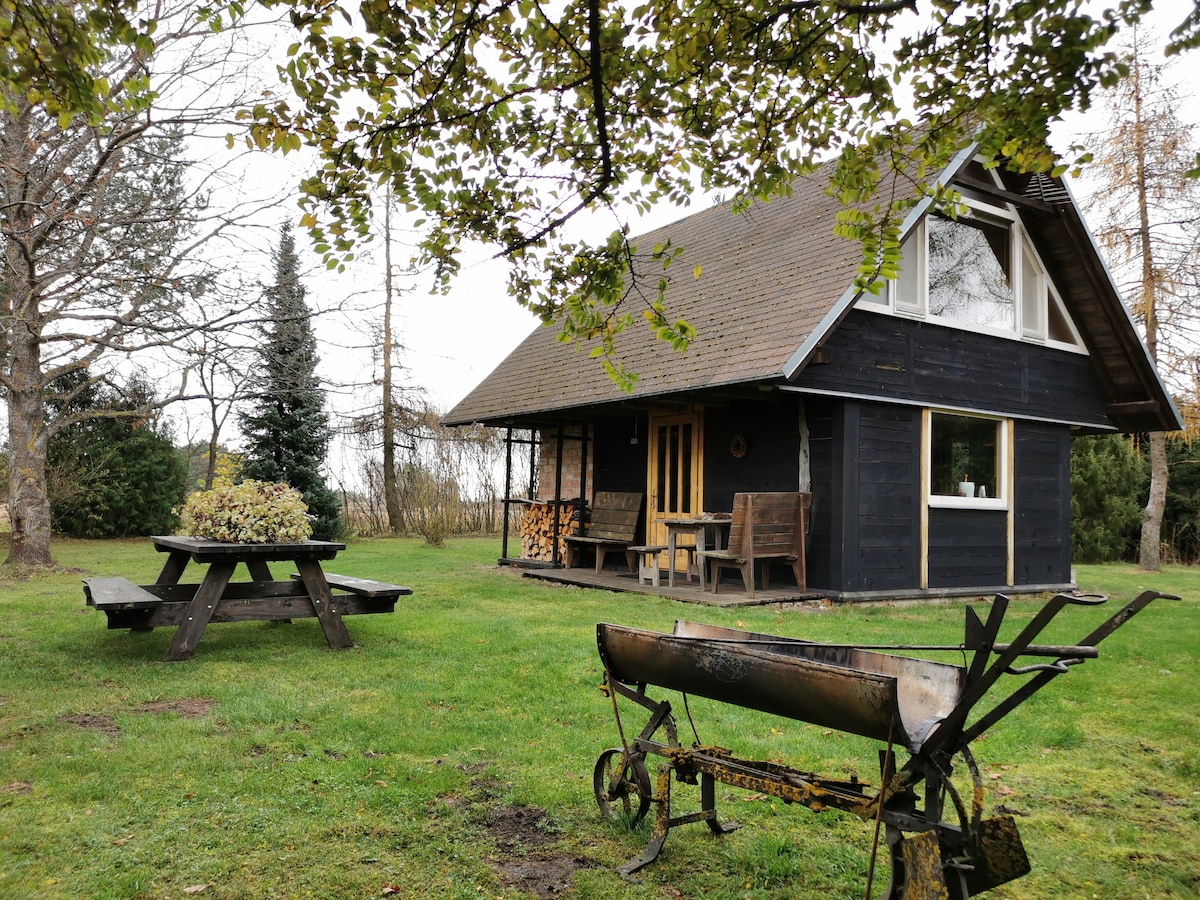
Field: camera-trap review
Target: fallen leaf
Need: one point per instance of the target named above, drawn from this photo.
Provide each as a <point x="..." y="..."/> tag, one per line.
<point x="195" y="889"/>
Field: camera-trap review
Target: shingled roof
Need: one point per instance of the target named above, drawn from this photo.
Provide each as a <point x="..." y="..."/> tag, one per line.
<point x="774" y="283"/>
<point x="768" y="276"/>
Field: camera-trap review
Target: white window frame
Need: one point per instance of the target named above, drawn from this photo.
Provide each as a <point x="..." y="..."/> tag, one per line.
<point x="1003" y="463"/>
<point x="890" y="300"/>
<point x="1016" y="234"/>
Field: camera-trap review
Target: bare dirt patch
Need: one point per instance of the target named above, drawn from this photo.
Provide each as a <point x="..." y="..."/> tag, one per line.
<point x="526" y="858"/>
<point x="516" y="827"/>
<point x="541" y="873"/>
<point x="192" y="708"/>
<point x="91" y="722"/>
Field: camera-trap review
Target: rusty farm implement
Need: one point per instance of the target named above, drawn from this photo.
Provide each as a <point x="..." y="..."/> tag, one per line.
<point x="940" y="845"/>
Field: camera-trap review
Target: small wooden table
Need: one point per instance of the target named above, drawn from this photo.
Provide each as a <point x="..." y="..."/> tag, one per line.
<point x="217" y="598"/>
<point x="697" y="525"/>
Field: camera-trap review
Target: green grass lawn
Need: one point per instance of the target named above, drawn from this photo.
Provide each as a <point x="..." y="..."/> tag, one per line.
<point x="449" y="754"/>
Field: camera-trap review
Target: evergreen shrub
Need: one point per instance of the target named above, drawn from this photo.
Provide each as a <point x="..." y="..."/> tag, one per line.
<point x="251" y="512"/>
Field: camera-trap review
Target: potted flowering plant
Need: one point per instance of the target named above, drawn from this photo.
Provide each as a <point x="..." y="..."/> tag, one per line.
<point x="251" y="512"/>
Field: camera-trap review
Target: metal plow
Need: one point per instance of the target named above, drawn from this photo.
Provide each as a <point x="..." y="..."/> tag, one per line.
<point x="940" y="846"/>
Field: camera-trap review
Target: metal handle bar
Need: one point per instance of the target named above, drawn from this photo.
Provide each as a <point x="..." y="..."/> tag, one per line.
<point x="1080" y="651"/>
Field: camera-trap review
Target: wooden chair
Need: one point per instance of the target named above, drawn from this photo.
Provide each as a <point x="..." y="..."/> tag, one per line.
<point x="767" y="527"/>
<point x="613" y="526"/>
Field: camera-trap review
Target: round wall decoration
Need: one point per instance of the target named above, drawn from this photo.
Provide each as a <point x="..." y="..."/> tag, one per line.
<point x="738" y="446"/>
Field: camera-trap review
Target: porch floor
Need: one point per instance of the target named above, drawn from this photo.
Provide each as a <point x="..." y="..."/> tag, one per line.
<point x="733" y="593"/>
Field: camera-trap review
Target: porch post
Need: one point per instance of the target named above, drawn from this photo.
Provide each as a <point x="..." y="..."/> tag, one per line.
<point x="583" y="445"/>
<point x="557" y="496"/>
<point x="535" y="450"/>
<point x="507" y="490"/>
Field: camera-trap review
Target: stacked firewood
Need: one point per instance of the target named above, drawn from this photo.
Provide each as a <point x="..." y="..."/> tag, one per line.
<point x="537" y="529"/>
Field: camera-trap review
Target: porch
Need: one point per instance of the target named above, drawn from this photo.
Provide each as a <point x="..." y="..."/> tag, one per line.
<point x="613" y="579"/>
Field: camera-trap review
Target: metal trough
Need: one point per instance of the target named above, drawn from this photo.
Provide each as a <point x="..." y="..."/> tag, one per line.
<point x="916" y="704"/>
<point x="876" y="695"/>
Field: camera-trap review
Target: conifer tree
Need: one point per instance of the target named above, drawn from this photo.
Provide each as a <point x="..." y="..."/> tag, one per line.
<point x="286" y="427"/>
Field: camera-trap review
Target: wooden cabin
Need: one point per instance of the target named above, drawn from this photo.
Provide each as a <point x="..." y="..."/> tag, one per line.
<point x="931" y="422"/>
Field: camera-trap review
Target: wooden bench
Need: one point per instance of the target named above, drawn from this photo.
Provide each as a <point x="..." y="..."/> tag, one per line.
<point x="125" y="604"/>
<point x="613" y="526"/>
<point x="767" y="527"/>
<point x="146" y="607"/>
<point x="378" y="592"/>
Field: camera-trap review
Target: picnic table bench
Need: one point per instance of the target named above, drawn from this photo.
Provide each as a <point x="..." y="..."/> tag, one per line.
<point x="613" y="526"/>
<point x="767" y="527"/>
<point x="190" y="607"/>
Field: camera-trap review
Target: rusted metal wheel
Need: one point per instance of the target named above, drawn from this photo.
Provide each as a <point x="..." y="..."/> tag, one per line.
<point x="621" y="778"/>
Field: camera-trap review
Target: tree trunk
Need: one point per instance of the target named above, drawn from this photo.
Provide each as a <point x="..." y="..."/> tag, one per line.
<point x="391" y="492"/>
<point x="28" y="502"/>
<point x="1150" y="549"/>
<point x="214" y="443"/>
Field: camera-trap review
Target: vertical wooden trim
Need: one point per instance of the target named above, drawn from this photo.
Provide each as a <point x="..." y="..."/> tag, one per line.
<point x="1010" y="486"/>
<point x="926" y="476"/>
<point x="805" y="461"/>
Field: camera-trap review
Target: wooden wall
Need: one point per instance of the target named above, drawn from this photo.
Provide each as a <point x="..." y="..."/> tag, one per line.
<point x="878" y="356"/>
<point x="867" y="501"/>
<point x="772" y="459"/>
<point x="866" y="480"/>
<point x="1042" y="471"/>
<point x="865" y="476"/>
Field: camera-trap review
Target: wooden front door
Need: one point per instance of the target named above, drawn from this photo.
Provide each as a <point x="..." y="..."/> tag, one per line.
<point x="674" y="489"/>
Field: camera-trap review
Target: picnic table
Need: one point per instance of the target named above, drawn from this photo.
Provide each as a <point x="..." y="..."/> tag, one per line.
<point x="218" y="598"/>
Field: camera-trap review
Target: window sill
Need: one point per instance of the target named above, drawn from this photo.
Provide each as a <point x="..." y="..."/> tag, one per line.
<point x="941" y="502"/>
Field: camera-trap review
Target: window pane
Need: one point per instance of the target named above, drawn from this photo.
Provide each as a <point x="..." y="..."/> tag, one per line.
<point x="969" y="277"/>
<point x="673" y="462"/>
<point x="661" y="444"/>
<point x="908" y="283"/>
<point x="1033" y="295"/>
<point x="1059" y="329"/>
<point x="963" y="456"/>
<point x="685" y="471"/>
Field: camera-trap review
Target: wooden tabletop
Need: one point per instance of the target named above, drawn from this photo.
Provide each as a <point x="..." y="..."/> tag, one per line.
<point x="205" y="551"/>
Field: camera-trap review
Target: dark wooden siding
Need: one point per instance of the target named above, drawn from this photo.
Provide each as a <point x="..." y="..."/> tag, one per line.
<point x="772" y="459"/>
<point x="883" y="538"/>
<point x="618" y="465"/>
<point x="968" y="548"/>
<point x="1042" y="505"/>
<point x="886" y="357"/>
<point x="824" y="559"/>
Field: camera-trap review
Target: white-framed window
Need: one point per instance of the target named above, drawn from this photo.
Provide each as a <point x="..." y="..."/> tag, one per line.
<point x="965" y="460"/>
<point x="979" y="271"/>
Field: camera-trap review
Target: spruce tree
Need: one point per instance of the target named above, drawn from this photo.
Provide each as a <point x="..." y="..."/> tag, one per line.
<point x="287" y="428"/>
